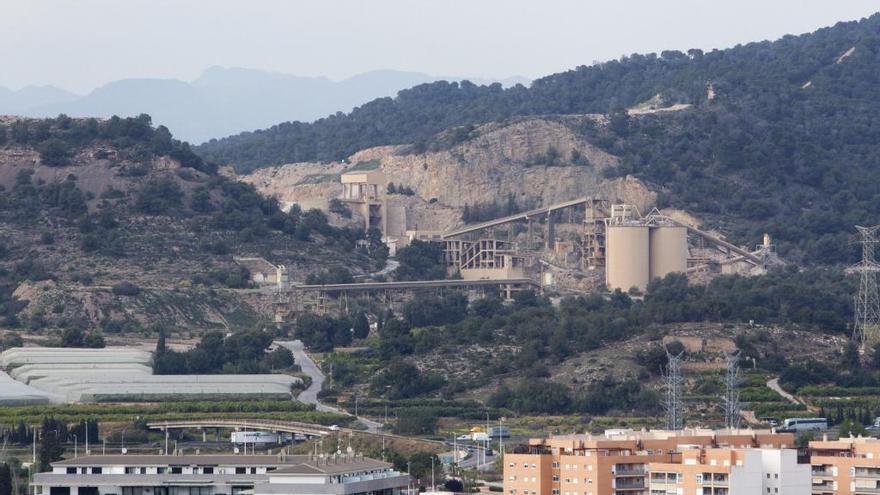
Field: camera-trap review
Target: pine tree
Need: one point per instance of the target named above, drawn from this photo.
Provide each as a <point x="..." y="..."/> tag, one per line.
<point x="160" y="343"/>
<point x="5" y="479"/>
<point x="361" y="326"/>
<point x="50" y="449"/>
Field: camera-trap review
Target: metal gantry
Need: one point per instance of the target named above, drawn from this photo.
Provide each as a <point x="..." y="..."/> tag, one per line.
<point x="732" y="382"/>
<point x="866" y="327"/>
<point x="674" y="381"/>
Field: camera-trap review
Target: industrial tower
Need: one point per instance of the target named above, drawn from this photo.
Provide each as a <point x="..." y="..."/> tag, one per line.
<point x="732" y="381"/>
<point x="866" y="331"/>
<point x="674" y="380"/>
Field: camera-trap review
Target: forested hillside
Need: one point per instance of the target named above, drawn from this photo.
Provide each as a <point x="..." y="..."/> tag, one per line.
<point x="781" y="136"/>
<point x="761" y="75"/>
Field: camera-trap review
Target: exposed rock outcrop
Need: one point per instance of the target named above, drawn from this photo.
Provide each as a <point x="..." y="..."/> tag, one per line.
<point x="538" y="161"/>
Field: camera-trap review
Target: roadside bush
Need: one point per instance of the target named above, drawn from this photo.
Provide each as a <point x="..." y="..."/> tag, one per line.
<point x="126" y="288"/>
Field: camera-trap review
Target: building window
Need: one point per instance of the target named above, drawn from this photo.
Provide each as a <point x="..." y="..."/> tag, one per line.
<point x="71" y="470"/>
<point x="176" y="470"/>
<point x="240" y="470"/>
<point x="97" y="470"/>
<point x="699" y="479"/>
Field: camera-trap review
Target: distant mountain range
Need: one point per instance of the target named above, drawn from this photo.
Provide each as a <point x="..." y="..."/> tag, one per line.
<point x="222" y="101"/>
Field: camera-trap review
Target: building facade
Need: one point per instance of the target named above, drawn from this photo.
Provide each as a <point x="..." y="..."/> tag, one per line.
<point x="220" y="475"/>
<point x="619" y="461"/>
<point x="726" y="471"/>
<point x="849" y="466"/>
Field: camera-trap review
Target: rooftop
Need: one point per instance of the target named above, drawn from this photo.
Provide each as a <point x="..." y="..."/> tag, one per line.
<point x="292" y="464"/>
<point x="164" y="460"/>
<point x="334" y="466"/>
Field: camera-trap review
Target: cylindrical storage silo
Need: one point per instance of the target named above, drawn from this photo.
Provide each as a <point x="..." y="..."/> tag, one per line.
<point x="669" y="250"/>
<point x="627" y="257"/>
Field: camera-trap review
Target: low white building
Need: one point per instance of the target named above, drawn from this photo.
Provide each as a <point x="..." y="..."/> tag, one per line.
<point x="220" y="475"/>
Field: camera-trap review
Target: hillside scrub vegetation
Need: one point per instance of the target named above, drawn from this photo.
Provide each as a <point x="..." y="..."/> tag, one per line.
<point x="530" y="335"/>
<point x="123" y="200"/>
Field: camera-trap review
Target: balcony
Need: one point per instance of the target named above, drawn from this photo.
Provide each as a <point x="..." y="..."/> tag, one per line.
<point x="629" y="485"/>
<point x="629" y="470"/>
<point x="822" y="472"/>
<point x="873" y="474"/>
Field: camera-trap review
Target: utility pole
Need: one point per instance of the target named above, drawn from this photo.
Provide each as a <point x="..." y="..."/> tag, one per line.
<point x="866" y="327"/>
<point x="732" y="381"/>
<point x="673" y="381"/>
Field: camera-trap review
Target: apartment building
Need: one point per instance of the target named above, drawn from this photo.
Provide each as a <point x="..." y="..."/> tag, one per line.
<point x="849" y="466"/>
<point x="617" y="461"/>
<point x="220" y="475"/>
<point x="726" y="471"/>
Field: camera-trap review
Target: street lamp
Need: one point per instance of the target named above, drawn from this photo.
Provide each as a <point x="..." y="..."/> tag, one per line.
<point x="123" y="439"/>
<point x="75" y="446"/>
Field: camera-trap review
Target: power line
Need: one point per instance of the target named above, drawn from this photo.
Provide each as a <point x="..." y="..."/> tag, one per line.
<point x="867" y="301"/>
<point x="732" y="381"/>
<point x="674" y="381"/>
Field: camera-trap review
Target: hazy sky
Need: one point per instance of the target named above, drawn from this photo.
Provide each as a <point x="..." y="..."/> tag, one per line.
<point x="80" y="44"/>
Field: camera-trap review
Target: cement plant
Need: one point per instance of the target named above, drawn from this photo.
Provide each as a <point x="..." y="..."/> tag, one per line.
<point x="400" y="247"/>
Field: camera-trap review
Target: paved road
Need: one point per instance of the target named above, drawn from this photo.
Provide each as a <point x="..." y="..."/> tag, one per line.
<point x="310" y="395"/>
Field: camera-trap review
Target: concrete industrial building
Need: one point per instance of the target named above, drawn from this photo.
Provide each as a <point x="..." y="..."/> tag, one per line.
<point x="364" y="191"/>
<point x="578" y="240"/>
<point x="638" y="249"/>
<point x="620" y="460"/>
<point x="263" y="272"/>
<point x="220" y="475"/>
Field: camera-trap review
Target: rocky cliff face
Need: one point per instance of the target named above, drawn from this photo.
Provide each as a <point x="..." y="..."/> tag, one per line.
<point x="539" y="161"/>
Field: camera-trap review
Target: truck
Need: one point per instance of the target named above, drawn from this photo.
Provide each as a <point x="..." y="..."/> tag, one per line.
<point x="255" y="437"/>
